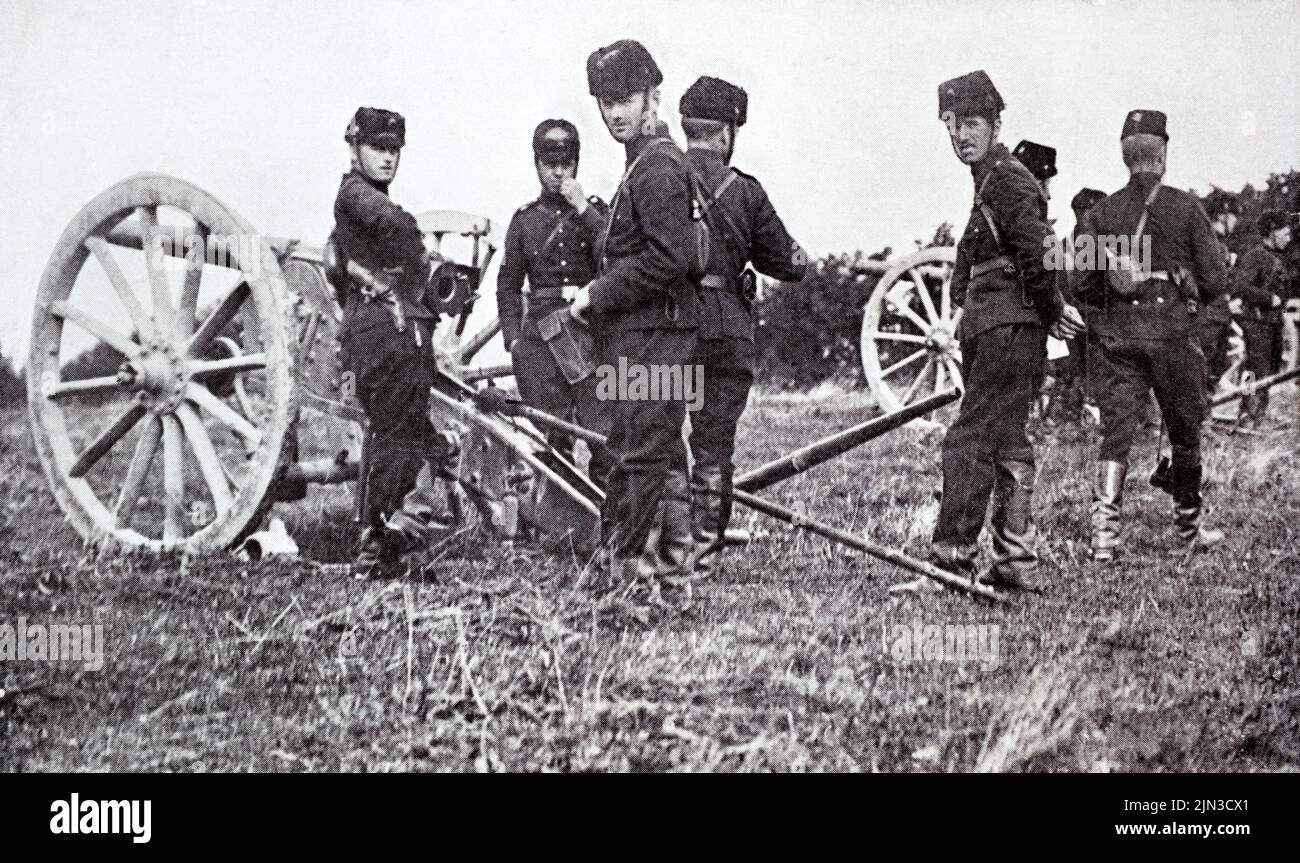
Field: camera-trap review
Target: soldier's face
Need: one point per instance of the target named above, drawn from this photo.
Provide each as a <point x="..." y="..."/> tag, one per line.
<point x="1281" y="237"/>
<point x="379" y="163"/>
<point x="973" y="137"/>
<point x="623" y="117"/>
<point x="552" y="176"/>
<point x="1225" y="224"/>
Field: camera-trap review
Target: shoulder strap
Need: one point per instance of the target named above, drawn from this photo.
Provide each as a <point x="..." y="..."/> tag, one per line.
<point x="555" y="232"/>
<point x="1142" y="222"/>
<point x="984" y="209"/>
<point x="712" y="200"/>
<point x="622" y="186"/>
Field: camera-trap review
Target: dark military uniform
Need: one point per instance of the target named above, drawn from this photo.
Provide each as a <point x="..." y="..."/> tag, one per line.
<point x="645" y="311"/>
<point x="1071" y="372"/>
<point x="553" y="247"/>
<point x="392" y="371"/>
<point x="1008" y="299"/>
<point x="1259" y="281"/>
<point x="743" y="227"/>
<point x="1150" y="340"/>
<point x="1214" y="334"/>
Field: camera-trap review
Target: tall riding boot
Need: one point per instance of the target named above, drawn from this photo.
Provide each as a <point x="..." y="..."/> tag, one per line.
<point x="1187" y="509"/>
<point x="1015" y="562"/>
<point x="668" y="547"/>
<point x="1107" y="495"/>
<point x="706" y="518"/>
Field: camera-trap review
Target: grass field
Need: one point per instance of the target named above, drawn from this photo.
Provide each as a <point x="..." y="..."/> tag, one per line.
<point x="788" y="662"/>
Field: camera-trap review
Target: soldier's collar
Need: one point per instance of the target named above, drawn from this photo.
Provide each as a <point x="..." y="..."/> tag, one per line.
<point x="374" y="184"/>
<point x="997" y="153"/>
<point x="635" y="147"/>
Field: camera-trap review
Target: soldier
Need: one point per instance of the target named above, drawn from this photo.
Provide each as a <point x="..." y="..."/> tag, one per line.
<point x="1259" y="282"/>
<point x="386" y="333"/>
<point x="644" y="305"/>
<point x="1040" y="159"/>
<point x="1079" y="390"/>
<point x="1144" y="323"/>
<point x="1009" y="300"/>
<point x="743" y="227"/>
<point x="552" y="243"/>
<point x="1215" y="318"/>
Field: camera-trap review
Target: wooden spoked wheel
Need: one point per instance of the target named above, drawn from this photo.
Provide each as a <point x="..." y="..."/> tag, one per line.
<point x="160" y="414"/>
<point x="909" y="345"/>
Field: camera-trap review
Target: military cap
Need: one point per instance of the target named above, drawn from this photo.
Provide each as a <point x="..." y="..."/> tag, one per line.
<point x="1085" y="200"/>
<point x="376" y="126"/>
<point x="1144" y="121"/>
<point x="715" y="99"/>
<point x="553" y="148"/>
<point x="621" y="68"/>
<point x="1219" y="202"/>
<point x="973" y="94"/>
<point x="1270" y="221"/>
<point x="1038" y="158"/>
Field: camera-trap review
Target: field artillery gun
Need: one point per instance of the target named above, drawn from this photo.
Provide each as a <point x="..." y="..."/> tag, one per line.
<point x="232" y="335"/>
<point x="225" y="338"/>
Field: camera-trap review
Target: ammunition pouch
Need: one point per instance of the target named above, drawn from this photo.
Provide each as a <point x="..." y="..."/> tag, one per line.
<point x="570" y="342"/>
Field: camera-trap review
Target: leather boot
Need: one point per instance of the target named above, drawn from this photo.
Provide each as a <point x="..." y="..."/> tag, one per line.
<point x="377" y="556"/>
<point x="1107" y="495"/>
<point x="706" y="519"/>
<point x="668" y="547"/>
<point x="1187" y="509"/>
<point x="1015" y="562"/>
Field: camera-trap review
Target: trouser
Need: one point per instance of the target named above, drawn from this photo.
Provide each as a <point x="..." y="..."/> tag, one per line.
<point x="728" y="365"/>
<point x="1263" y="358"/>
<point x="645" y="434"/>
<point x="393" y="376"/>
<point x="543" y="386"/>
<point x="987" y="449"/>
<point x="1127" y="370"/>
<point x="1214" y="334"/>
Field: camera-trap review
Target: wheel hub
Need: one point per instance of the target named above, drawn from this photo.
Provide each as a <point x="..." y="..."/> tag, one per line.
<point x="158" y="376"/>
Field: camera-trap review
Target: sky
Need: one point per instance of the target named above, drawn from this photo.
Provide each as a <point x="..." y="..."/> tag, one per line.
<point x="249" y="100"/>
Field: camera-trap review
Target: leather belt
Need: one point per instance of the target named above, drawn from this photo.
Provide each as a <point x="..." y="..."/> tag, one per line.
<point x="559" y="292"/>
<point x="1002" y="262"/>
<point x="720" y="283"/>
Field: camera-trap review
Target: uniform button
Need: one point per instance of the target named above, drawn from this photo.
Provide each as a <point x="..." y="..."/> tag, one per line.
<point x="1135" y="302"/>
<point x="1160" y="299"/>
<point x="564" y="263"/>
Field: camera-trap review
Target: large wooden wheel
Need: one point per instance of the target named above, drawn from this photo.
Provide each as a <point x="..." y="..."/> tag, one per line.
<point x="909" y="345"/>
<point x="176" y="447"/>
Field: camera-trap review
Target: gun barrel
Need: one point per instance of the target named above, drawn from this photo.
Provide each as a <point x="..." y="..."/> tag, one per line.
<point x="839" y="443"/>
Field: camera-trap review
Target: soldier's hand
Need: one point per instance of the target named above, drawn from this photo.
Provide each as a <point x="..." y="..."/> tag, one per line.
<point x="1069" y="325"/>
<point x="571" y="191"/>
<point x="581" y="302"/>
<point x="1235" y="306"/>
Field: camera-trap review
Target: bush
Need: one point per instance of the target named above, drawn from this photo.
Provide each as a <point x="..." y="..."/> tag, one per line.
<point x="13" y="389"/>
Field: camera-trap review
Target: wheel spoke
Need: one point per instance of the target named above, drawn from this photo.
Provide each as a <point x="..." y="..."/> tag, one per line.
<point x="907" y="312"/>
<point x="85" y="385"/>
<point x="241" y="396"/>
<point x="926" y="302"/>
<point x="945" y="295"/>
<point x="206" y="456"/>
<point x="238" y="365"/>
<point x="137" y="472"/>
<point x="163" y="312"/>
<point x="189" y="301"/>
<point x="173" y="479"/>
<point x="223" y="314"/>
<point x="884" y="335"/>
<point x="105" y="441"/>
<point x="938" y="376"/>
<point x="911" y="390"/>
<point x="224" y="414"/>
<point x="97" y="328"/>
<point x="139" y="318"/>
<point x="954" y="372"/>
<point x="905" y="361"/>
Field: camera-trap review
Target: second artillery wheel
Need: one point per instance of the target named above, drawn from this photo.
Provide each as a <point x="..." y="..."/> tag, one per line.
<point x="176" y="445"/>
<point x="909" y="345"/>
